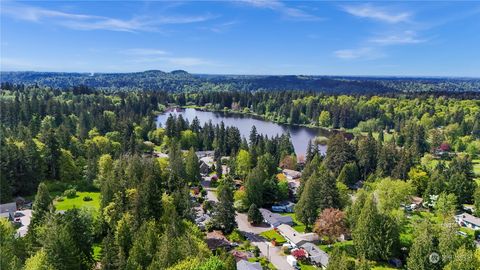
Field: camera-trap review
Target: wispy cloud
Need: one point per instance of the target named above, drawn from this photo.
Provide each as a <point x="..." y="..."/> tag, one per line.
<point x="93" y="22"/>
<point x="152" y="56"/>
<point x="405" y="37"/>
<point x="221" y="27"/>
<point x="144" y="52"/>
<point x="367" y="53"/>
<point x="289" y="12"/>
<point x="377" y="13"/>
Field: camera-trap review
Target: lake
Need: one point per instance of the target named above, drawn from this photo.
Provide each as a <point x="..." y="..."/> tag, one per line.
<point x="300" y="135"/>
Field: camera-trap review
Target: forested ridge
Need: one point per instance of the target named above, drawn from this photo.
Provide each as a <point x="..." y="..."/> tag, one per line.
<point x="64" y="140"/>
<point x="180" y="80"/>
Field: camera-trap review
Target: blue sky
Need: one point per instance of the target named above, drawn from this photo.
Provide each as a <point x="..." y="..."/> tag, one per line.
<point x="244" y="37"/>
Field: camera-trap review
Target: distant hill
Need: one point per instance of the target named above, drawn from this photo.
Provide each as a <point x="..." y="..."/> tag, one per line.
<point x="180" y="80"/>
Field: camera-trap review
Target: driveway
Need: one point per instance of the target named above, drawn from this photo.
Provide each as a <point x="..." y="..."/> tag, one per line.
<point x="211" y="195"/>
<point x="252" y="233"/>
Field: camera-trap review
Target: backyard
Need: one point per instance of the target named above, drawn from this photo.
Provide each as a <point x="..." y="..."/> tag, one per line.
<point x="78" y="201"/>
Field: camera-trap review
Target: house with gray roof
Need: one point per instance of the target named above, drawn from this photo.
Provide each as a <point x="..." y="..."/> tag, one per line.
<point x="8" y="207"/>
<point x="275" y="219"/>
<point x="296" y="238"/>
<point x="316" y="255"/>
<point x="246" y="265"/>
<point x="467" y="220"/>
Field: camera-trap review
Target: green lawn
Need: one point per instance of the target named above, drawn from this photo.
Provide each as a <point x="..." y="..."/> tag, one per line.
<point x="346" y="246"/>
<point x="304" y="266"/>
<point x="476" y="167"/>
<point x="298" y="226"/>
<point x="263" y="261"/>
<point x="272" y="234"/>
<point x="78" y="201"/>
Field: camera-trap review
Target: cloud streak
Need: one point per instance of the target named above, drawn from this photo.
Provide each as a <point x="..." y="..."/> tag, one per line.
<point x="93" y="22"/>
<point x="367" y="53"/>
<point x="369" y="11"/>
<point x="406" y="37"/>
<point x="288" y="12"/>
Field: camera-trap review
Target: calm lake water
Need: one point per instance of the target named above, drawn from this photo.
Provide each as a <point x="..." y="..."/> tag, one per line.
<point x="299" y="135"/>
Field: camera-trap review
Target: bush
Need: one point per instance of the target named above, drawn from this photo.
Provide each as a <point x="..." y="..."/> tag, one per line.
<point x="87" y="198"/>
<point x="70" y="193"/>
<point x="60" y="199"/>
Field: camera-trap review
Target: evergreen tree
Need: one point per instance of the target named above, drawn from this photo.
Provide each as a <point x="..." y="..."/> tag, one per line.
<point x="306" y="210"/>
<point x="464" y="259"/>
<point x="422" y="248"/>
<point x="254" y="215"/>
<point x="339" y="153"/>
<point x="367" y="155"/>
<point x="224" y="213"/>
<point x="254" y="186"/>
<point x="349" y="175"/>
<point x="375" y="236"/>
<point x="218" y="167"/>
<point x="192" y="167"/>
<point x="340" y="261"/>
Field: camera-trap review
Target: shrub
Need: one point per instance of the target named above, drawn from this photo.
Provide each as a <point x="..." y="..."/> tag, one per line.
<point x="60" y="199"/>
<point x="87" y="198"/>
<point x="70" y="193"/>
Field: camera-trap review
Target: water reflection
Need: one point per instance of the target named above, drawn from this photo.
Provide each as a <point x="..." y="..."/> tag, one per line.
<point x="300" y="135"/>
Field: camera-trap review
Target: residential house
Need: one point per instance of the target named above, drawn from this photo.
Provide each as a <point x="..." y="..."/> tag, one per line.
<point x="275" y="219"/>
<point x="287" y="207"/>
<point x="159" y="154"/>
<point x="7" y="210"/>
<point x="202" y="154"/>
<point x="241" y="255"/>
<point x="295" y="238"/>
<point x="8" y="207"/>
<point x="206" y="165"/>
<point x="291" y="174"/>
<point x="316" y="255"/>
<point x="467" y="220"/>
<point x="216" y="240"/>
<point x="246" y="265"/>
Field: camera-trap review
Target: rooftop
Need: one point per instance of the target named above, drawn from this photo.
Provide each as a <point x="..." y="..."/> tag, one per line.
<point x="316" y="254"/>
<point x="246" y="265"/>
<point x="295" y="237"/>
<point x="275" y="219"/>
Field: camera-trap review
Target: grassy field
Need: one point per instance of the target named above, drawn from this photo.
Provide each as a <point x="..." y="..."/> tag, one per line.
<point x="272" y="234"/>
<point x="304" y="266"/>
<point x="298" y="226"/>
<point x="476" y="167"/>
<point x="78" y="201"/>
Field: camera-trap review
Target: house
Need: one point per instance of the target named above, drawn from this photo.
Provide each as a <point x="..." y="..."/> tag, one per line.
<point x="7" y="215"/>
<point x="293" y="185"/>
<point x="159" y="154"/>
<point x="291" y="174"/>
<point x="206" y="165"/>
<point x="274" y="219"/>
<point x="295" y="238"/>
<point x="287" y="207"/>
<point x="241" y="255"/>
<point x="216" y="240"/>
<point x="202" y="154"/>
<point x="8" y="207"/>
<point x="467" y="220"/>
<point x="316" y="255"/>
<point x="246" y="265"/>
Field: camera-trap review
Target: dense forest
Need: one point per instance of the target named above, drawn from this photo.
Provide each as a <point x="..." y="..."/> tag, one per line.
<point x="180" y="80"/>
<point x="63" y="135"/>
